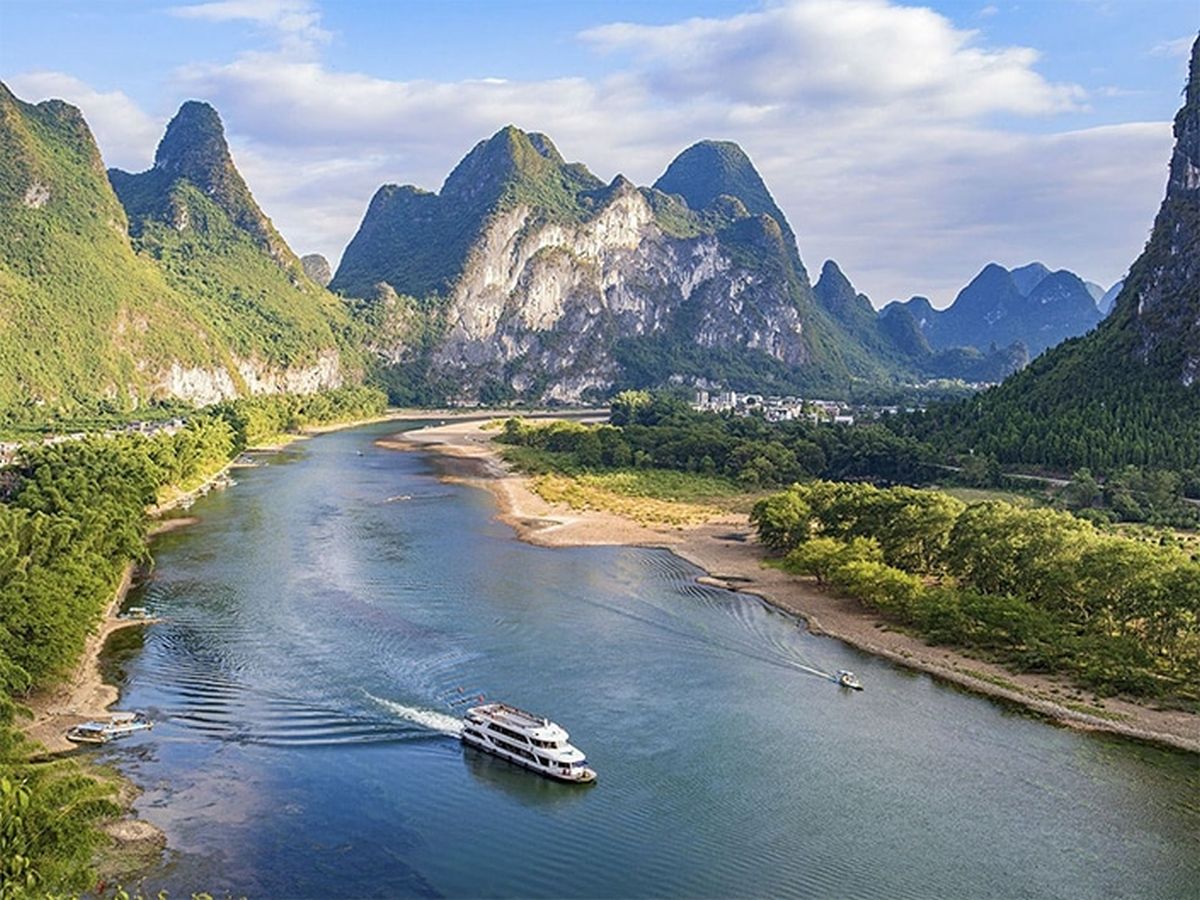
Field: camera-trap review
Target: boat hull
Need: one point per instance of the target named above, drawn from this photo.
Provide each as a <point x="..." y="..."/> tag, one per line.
<point x="586" y="777"/>
<point x="87" y="738"/>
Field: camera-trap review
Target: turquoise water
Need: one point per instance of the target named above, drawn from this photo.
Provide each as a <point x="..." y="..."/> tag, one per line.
<point x="323" y="608"/>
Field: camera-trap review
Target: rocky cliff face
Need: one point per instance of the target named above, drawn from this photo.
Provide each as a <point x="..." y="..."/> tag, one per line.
<point x="1162" y="293"/>
<point x="317" y="268"/>
<point x="526" y="276"/>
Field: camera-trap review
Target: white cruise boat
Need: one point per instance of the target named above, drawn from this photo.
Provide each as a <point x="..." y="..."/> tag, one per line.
<point x="119" y="725"/>
<point x="525" y="739"/>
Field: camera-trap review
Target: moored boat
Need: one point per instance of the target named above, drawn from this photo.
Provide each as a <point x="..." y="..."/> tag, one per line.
<point x="119" y="725"/>
<point x="527" y="740"/>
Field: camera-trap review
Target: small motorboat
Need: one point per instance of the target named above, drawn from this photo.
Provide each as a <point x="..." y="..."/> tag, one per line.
<point x="119" y="725"/>
<point x="848" y="679"/>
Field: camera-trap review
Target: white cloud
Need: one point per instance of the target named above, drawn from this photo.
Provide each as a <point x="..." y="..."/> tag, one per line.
<point x="1178" y="47"/>
<point x="817" y="54"/>
<point x="990" y="10"/>
<point x="296" y="22"/>
<point x="871" y="123"/>
<point x="126" y="135"/>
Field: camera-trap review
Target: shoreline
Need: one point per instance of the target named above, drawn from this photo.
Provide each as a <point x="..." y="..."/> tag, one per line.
<point x="137" y="844"/>
<point x="84" y="694"/>
<point x="731" y="559"/>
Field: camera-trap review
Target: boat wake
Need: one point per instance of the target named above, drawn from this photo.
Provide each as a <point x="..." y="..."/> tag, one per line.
<point x="427" y="718"/>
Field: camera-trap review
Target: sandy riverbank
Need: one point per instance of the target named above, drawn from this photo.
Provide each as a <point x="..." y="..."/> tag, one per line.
<point x="83" y="695"/>
<point x="727" y="550"/>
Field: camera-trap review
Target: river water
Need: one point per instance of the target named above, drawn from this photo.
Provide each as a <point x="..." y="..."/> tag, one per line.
<point x="324" y="608"/>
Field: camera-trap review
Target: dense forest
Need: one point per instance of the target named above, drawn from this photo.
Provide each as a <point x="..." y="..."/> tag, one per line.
<point x="1074" y="408"/>
<point x="661" y="431"/>
<point x="74" y="517"/>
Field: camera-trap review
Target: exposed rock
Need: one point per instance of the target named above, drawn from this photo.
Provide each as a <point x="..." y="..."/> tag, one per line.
<point x="37" y="195"/>
<point x="262" y="378"/>
<point x="317" y="268"/>
<point x="1163" y="288"/>
<point x="196" y="385"/>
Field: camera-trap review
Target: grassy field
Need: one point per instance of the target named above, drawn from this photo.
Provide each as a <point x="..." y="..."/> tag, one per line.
<point x="598" y="492"/>
<point x="648" y="496"/>
<point x="979" y="495"/>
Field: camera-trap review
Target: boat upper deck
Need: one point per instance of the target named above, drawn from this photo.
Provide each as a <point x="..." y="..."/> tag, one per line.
<point x="520" y="720"/>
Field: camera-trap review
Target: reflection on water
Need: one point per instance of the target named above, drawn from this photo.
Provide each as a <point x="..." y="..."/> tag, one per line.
<point x="319" y="615"/>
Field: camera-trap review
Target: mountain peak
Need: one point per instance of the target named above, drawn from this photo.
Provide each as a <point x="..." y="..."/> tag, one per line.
<point x="832" y="280"/>
<point x="194" y="146"/>
<point x="193" y="151"/>
<point x="1026" y="278"/>
<point x="1162" y="291"/>
<point x="511" y="157"/>
<point x="708" y="169"/>
<point x="1185" y="161"/>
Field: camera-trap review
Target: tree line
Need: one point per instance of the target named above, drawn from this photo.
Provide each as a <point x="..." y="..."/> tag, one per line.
<point x="658" y="430"/>
<point x="661" y="431"/>
<point x="1039" y="589"/>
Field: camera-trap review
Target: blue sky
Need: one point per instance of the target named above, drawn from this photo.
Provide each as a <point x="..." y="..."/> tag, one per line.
<point x="911" y="143"/>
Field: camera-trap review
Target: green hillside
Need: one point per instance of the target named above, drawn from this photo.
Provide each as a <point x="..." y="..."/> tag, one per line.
<point x="99" y="301"/>
<point x="193" y="214"/>
<point x="102" y="320"/>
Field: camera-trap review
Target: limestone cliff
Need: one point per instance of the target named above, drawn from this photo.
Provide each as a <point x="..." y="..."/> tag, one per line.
<point x="527" y="277"/>
<point x="1162" y="293"/>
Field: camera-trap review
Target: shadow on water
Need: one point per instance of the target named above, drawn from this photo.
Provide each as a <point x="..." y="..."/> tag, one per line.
<point x="120" y="649"/>
<point x="521" y="785"/>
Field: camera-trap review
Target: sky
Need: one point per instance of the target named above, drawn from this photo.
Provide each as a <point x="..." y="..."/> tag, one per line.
<point x="911" y="143"/>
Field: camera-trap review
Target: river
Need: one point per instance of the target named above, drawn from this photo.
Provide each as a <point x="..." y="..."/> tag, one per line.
<point x="322" y="610"/>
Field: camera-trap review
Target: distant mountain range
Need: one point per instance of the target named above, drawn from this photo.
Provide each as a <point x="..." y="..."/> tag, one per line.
<point x="524" y="277"/>
<point x="1030" y="304"/>
<point x="1128" y="392"/>
<point x="899" y="335"/>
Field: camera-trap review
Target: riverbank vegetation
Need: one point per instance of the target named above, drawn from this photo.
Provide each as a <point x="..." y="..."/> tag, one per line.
<point x="1037" y="589"/>
<point x="73" y="517"/>
<point x="659" y="432"/>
